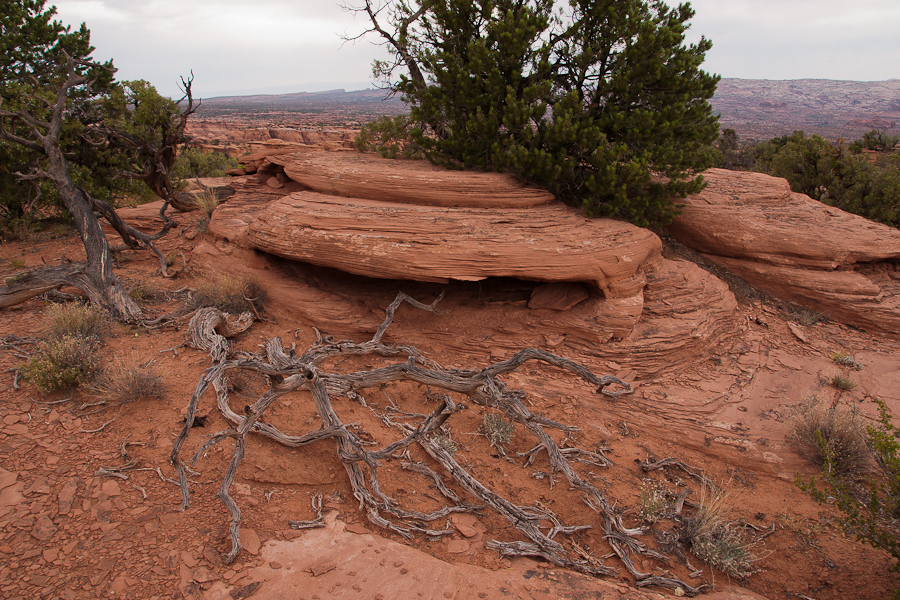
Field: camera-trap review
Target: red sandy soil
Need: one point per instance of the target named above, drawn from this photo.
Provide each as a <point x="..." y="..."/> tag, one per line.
<point x="67" y="531"/>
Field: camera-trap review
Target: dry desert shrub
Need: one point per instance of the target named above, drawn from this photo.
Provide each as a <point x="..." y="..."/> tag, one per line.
<point x="206" y="200"/>
<point x="77" y="320"/>
<point x="843" y="383"/>
<point x="652" y="502"/>
<point x="714" y="539"/>
<point x="819" y="429"/>
<point x="846" y="360"/>
<point x="498" y="430"/>
<point x="129" y="382"/>
<point x="60" y="363"/>
<point x="445" y="442"/>
<point x="228" y="294"/>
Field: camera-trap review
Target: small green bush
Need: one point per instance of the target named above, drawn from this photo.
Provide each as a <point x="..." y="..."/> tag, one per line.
<point x="498" y="430"/>
<point x="195" y="162"/>
<point x="60" y="364"/>
<point x="16" y="263"/>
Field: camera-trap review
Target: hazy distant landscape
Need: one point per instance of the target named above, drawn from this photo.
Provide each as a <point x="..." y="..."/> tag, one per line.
<point x="758" y="109"/>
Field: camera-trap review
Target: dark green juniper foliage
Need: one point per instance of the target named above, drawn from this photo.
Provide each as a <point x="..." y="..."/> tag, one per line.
<point x="599" y="101"/>
<point x="116" y="136"/>
<point x="32" y="44"/>
<point x="833" y="174"/>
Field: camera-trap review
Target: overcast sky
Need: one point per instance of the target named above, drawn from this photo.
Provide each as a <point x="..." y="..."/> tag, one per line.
<point x="295" y="45"/>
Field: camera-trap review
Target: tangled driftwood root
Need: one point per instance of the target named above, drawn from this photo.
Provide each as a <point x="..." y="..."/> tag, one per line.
<point x="543" y="530"/>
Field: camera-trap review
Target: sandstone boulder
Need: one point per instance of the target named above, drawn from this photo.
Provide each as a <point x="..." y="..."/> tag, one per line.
<point x="430" y="243"/>
<point x="796" y="248"/>
<point x="261" y="152"/>
<point x="369" y="176"/>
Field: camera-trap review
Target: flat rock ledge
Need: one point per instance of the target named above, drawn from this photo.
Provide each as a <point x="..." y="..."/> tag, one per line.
<point x="357" y="175"/>
<point x="796" y="248"/>
<point x="551" y="243"/>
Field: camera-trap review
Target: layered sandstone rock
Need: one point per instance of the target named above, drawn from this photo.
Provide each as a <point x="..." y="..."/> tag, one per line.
<point x="605" y="291"/>
<point x="433" y="243"/>
<point x="796" y="248"/>
<point x="368" y="176"/>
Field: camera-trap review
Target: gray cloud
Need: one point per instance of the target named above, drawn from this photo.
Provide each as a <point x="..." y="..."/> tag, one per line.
<point x="238" y="45"/>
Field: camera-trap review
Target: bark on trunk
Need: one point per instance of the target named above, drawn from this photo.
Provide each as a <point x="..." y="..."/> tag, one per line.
<point x="98" y="280"/>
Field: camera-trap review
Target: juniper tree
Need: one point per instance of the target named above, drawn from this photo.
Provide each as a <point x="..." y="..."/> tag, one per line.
<point x="600" y="101"/>
<point x="66" y="121"/>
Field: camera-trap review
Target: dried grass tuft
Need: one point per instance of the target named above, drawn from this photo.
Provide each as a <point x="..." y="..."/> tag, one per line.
<point x="130" y="382"/>
<point x="206" y="200"/>
<point x="714" y="539"/>
<point x="228" y="294"/>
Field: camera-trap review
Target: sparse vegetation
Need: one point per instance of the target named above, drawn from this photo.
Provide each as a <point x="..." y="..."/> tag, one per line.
<point x="125" y="383"/>
<point x="846" y="360"/>
<point x="714" y="539"/>
<point x="843" y="383"/>
<point x="808" y="317"/>
<point x="77" y="320"/>
<point x="142" y="292"/>
<point x="445" y="442"/>
<point x="498" y="430"/>
<point x="652" y="502"/>
<point x="16" y="263"/>
<point x="8" y="281"/>
<point x="228" y="294"/>
<point x="870" y="507"/>
<point x="830" y="433"/>
<point x="206" y="200"/>
<point x="202" y="224"/>
<point x="61" y="363"/>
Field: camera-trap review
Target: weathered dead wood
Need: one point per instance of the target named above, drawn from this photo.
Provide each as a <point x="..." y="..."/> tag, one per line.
<point x="286" y="373"/>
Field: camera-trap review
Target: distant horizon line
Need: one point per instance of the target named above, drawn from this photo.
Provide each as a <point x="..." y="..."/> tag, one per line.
<point x="365" y="86"/>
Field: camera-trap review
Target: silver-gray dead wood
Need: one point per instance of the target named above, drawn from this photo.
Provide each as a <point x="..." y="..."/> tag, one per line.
<point x="287" y="373"/>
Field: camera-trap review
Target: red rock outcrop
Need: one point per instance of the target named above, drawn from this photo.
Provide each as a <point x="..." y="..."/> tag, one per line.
<point x="368" y="176"/>
<point x="432" y="243"/>
<point x="606" y="291"/>
<point x="796" y="248"/>
<point x="326" y="560"/>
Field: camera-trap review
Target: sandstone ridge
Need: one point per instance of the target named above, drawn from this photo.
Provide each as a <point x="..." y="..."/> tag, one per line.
<point x="796" y="248"/>
<point x="595" y="285"/>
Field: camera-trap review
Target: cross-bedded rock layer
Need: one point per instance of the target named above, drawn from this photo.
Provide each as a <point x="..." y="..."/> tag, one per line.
<point x="796" y="248"/>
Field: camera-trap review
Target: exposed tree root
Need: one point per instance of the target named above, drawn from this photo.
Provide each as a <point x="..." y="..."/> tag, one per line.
<point x="544" y="531"/>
